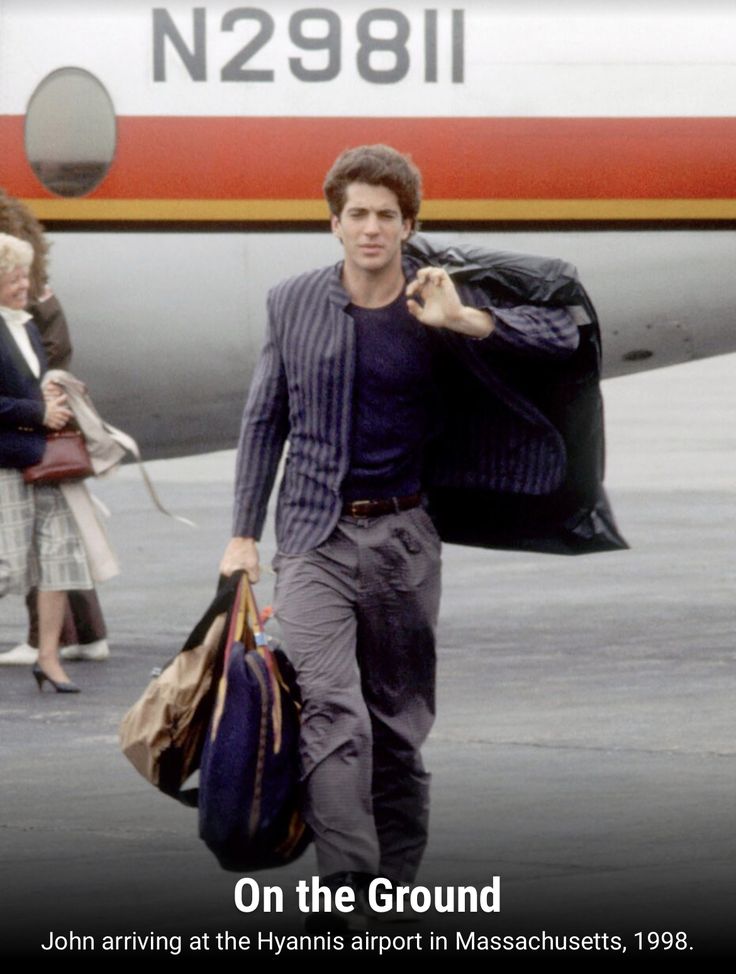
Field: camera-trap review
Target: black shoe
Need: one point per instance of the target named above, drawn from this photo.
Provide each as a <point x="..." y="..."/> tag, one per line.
<point x="377" y="916"/>
<point x="333" y="921"/>
<point x="40" y="676"/>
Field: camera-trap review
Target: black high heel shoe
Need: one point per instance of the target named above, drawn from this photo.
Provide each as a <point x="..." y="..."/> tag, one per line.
<point x="40" y="676"/>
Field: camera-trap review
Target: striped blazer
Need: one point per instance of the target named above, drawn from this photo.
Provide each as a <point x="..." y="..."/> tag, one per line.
<point x="302" y="391"/>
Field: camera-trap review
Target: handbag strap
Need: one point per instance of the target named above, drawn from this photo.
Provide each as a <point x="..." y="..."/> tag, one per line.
<point x="128" y="443"/>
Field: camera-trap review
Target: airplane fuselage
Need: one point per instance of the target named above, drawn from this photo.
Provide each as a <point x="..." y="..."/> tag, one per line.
<point x="176" y="155"/>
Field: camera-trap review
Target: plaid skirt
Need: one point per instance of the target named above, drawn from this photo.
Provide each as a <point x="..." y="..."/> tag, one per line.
<point x="40" y="544"/>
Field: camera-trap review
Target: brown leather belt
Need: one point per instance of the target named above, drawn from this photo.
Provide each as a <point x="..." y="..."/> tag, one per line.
<point x="391" y="505"/>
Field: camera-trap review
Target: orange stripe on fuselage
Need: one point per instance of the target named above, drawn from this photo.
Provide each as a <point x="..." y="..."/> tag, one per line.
<point x="315" y="211"/>
<point x="497" y="160"/>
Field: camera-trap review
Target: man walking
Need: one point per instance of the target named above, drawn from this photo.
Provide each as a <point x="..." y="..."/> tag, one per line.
<point x="352" y="375"/>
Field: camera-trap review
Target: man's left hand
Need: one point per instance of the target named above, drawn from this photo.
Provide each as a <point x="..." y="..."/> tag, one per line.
<point x="439" y="305"/>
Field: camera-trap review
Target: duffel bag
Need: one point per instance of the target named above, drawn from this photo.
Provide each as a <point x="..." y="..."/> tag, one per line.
<point x="163" y="732"/>
<point x="249" y="783"/>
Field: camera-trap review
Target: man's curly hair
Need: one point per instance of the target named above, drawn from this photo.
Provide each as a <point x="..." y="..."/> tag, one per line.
<point x="376" y="165"/>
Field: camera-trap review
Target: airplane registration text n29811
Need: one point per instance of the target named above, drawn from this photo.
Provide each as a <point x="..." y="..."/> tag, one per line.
<point x="523" y="111"/>
<point x="379" y="43"/>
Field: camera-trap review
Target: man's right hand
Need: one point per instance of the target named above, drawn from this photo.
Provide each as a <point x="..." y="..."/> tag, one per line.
<point x="241" y="554"/>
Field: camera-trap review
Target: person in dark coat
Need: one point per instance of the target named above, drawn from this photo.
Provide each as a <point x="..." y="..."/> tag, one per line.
<point x="352" y="375"/>
<point x="40" y="541"/>
<point x="84" y="633"/>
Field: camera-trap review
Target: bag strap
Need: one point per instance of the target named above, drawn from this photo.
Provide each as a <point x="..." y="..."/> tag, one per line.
<point x="231" y="595"/>
<point x="236" y="630"/>
<point x="253" y="615"/>
<point x="244" y="616"/>
<point x="130" y="445"/>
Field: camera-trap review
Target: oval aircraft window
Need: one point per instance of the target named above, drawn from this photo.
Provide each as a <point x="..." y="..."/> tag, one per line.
<point x="70" y="132"/>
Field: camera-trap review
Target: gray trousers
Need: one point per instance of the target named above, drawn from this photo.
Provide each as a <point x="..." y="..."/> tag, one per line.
<point x="358" y="617"/>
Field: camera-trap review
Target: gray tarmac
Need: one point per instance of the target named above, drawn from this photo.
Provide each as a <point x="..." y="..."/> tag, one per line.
<point x="583" y="750"/>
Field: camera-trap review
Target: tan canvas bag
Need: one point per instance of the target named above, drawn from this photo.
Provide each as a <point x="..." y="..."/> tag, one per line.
<point x="163" y="732"/>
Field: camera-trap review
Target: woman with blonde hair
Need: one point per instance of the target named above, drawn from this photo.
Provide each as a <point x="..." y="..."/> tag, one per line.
<point x="39" y="540"/>
<point x="84" y="633"/>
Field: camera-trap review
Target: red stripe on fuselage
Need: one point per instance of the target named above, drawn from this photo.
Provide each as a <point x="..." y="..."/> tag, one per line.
<point x="460" y="158"/>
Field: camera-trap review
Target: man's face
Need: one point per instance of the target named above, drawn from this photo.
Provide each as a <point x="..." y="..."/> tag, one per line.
<point x="371" y="228"/>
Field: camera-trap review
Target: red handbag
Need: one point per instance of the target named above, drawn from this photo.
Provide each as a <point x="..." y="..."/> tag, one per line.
<point x="65" y="457"/>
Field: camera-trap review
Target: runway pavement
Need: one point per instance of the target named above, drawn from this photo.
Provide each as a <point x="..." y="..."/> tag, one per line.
<point x="584" y="746"/>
